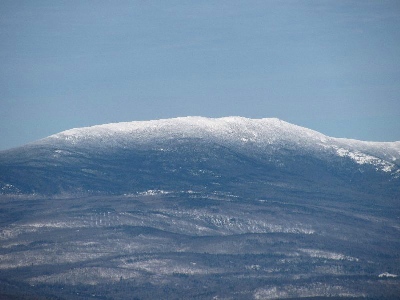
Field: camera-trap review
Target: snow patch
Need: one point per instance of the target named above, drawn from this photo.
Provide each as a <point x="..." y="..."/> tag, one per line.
<point x="362" y="158"/>
<point x="387" y="275"/>
<point x="153" y="193"/>
<point x="327" y="255"/>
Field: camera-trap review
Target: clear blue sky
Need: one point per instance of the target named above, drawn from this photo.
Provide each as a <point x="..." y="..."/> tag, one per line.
<point x="333" y="66"/>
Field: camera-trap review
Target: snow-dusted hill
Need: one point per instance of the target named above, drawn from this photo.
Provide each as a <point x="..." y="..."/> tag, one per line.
<point x="262" y="133"/>
<point x="198" y="208"/>
<point x="266" y="134"/>
<point x="118" y="157"/>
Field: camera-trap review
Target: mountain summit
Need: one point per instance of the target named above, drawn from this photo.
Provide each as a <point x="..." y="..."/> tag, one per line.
<point x="197" y="153"/>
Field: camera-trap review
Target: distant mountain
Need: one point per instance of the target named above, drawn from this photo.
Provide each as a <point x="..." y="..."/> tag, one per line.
<point x="195" y="153"/>
<point x="199" y="208"/>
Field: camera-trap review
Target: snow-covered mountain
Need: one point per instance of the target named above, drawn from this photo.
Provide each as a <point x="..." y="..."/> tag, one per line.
<point x="199" y="208"/>
<point x="268" y="133"/>
<point x="196" y="152"/>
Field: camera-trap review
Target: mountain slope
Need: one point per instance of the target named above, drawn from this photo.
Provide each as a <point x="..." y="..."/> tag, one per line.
<point x="197" y="153"/>
<point x="197" y="208"/>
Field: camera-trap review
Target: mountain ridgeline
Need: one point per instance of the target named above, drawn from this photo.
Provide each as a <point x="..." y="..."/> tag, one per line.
<point x="198" y="208"/>
<point x="247" y="157"/>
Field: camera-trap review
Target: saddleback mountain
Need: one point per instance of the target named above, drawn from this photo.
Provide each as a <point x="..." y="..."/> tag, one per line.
<point x="200" y="208"/>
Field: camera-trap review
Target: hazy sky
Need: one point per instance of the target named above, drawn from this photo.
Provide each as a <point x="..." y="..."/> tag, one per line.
<point x="332" y="66"/>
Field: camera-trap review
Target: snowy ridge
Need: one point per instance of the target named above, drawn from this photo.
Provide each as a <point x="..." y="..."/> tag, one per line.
<point x="229" y="128"/>
<point x="267" y="133"/>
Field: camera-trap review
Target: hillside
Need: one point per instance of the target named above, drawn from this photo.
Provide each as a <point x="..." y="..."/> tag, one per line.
<point x="198" y="208"/>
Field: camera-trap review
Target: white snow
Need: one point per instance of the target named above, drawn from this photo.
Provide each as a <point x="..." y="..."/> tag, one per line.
<point x="269" y="134"/>
<point x="327" y="255"/>
<point x="230" y="128"/>
<point x="388" y="275"/>
<point x="362" y="158"/>
<point x="154" y="192"/>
